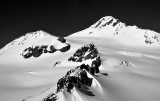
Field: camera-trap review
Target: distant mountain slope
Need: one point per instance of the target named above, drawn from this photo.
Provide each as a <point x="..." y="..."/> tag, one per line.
<point x="110" y="28"/>
<point x="22" y="40"/>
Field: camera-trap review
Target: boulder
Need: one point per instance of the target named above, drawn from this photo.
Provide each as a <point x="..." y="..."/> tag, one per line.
<point x="52" y="49"/>
<point x="27" y="53"/>
<point x="61" y="39"/>
<point x="37" y="51"/>
<point x="65" y="48"/>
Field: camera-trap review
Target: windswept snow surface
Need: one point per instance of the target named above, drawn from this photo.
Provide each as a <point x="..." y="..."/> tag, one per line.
<point x="129" y="70"/>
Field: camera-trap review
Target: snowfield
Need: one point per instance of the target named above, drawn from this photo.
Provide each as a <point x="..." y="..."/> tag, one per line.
<point x="109" y="61"/>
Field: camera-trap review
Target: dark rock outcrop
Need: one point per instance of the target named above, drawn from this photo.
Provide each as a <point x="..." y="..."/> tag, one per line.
<point x="52" y="49"/>
<point x="27" y="53"/>
<point x="37" y="51"/>
<point x="61" y="39"/>
<point x="65" y="48"/>
<point x="51" y="97"/>
<point x="87" y="52"/>
<point x="78" y="77"/>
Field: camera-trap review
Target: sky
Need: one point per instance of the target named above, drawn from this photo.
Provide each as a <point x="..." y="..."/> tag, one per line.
<point x="64" y="17"/>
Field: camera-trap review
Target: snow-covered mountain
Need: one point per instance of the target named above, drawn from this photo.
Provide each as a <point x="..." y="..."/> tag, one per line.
<point x="108" y="61"/>
<point x="110" y="28"/>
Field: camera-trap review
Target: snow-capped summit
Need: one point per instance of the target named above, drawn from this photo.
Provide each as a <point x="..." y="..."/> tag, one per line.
<point x="109" y="24"/>
<point x="107" y="21"/>
<point x="21" y="40"/>
<point x="111" y="28"/>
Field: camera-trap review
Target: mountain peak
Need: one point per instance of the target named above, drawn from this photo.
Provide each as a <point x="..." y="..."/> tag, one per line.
<point x="21" y="40"/>
<point x="104" y="21"/>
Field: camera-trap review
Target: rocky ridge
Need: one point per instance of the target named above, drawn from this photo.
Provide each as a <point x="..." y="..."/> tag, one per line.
<point x="36" y="51"/>
<point x="21" y="40"/>
<point x="108" y="21"/>
<point x="84" y="53"/>
<point x="78" y="78"/>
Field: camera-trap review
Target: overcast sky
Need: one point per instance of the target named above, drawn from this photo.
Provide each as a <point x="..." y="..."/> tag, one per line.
<point x="64" y="17"/>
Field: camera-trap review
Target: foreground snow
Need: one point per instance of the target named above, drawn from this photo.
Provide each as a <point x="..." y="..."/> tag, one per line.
<point x="130" y="68"/>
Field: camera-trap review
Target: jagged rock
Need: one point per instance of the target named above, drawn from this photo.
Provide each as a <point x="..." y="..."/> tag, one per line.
<point x="51" y="97"/>
<point x="37" y="51"/>
<point x="27" y="52"/>
<point x="80" y="59"/>
<point x="52" y="49"/>
<point x="84" y="78"/>
<point x="72" y="58"/>
<point x="70" y="71"/>
<point x="91" y="55"/>
<point x="91" y="47"/>
<point x="95" y="64"/>
<point x="86" y="67"/>
<point x="79" y="53"/>
<point x="78" y="77"/>
<point x="115" y="23"/>
<point x="84" y="53"/>
<point x="66" y="48"/>
<point x="61" y="83"/>
<point x="73" y="79"/>
<point x="85" y="49"/>
<point x="108" y="20"/>
<point x="61" y="39"/>
<point x="44" y="47"/>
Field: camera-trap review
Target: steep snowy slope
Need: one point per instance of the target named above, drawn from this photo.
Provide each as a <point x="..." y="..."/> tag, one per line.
<point x="21" y="41"/>
<point x="32" y="47"/>
<point x="32" y="54"/>
<point x="109" y="61"/>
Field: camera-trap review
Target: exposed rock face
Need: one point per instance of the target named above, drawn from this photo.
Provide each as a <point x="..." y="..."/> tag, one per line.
<point x="52" y="49"/>
<point x="65" y="48"/>
<point x="84" y="53"/>
<point x="39" y="50"/>
<point x="51" y="97"/>
<point x="61" y="39"/>
<point x="78" y="78"/>
<point x="28" y="52"/>
<point x="108" y="21"/>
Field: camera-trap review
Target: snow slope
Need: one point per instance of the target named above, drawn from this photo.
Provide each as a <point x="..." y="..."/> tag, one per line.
<point x="129" y="69"/>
